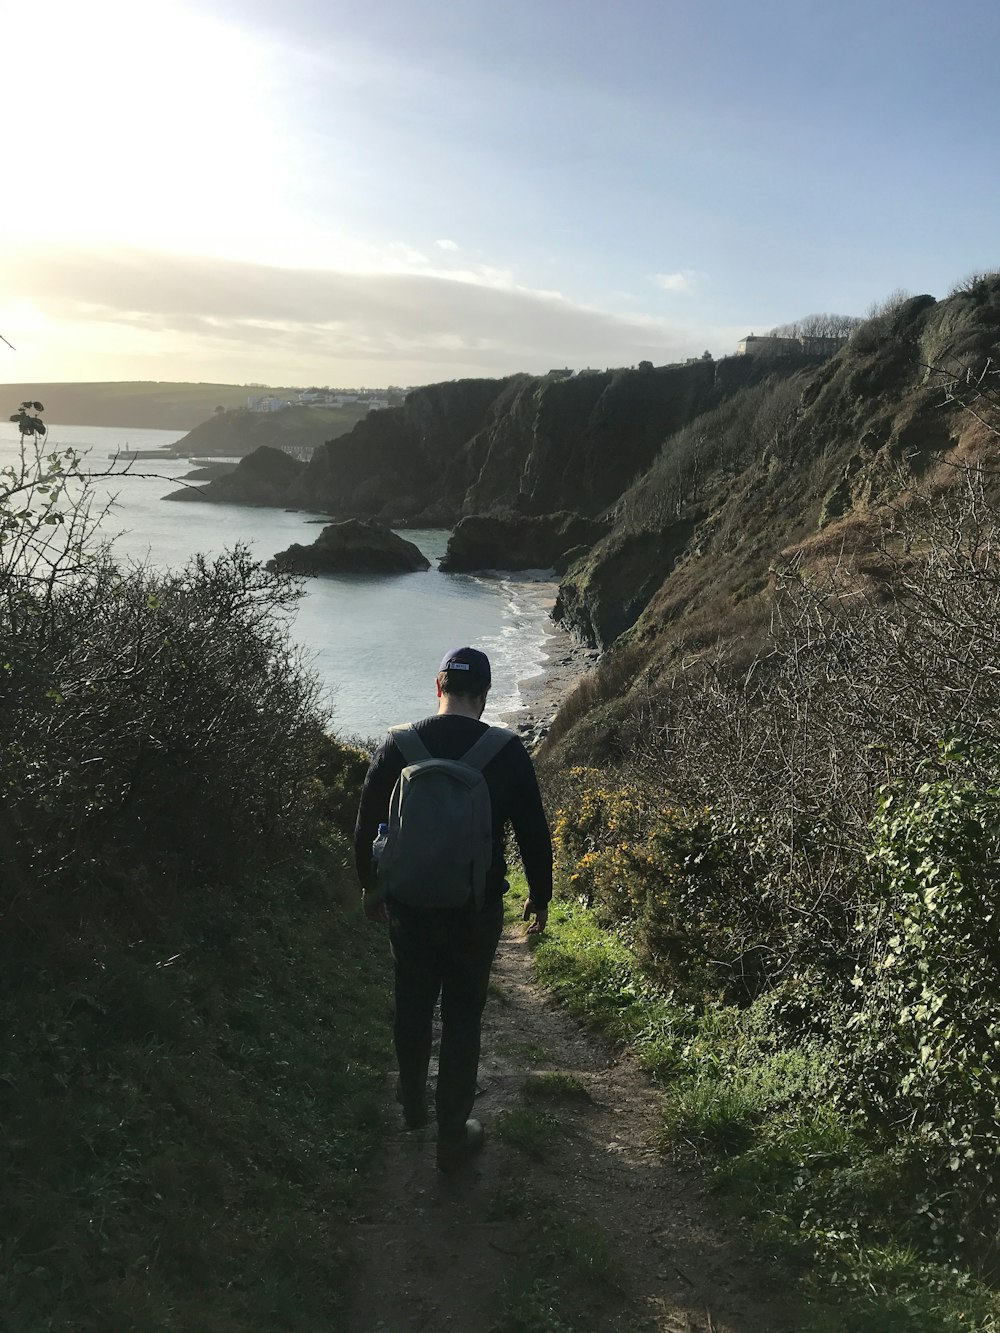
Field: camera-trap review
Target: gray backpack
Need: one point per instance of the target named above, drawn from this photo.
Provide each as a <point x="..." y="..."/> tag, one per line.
<point x="440" y="840"/>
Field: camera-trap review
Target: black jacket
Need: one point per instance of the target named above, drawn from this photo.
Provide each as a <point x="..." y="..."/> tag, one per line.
<point x="514" y="794"/>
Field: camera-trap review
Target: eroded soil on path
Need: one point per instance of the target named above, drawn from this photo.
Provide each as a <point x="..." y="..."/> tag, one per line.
<point x="570" y="1219"/>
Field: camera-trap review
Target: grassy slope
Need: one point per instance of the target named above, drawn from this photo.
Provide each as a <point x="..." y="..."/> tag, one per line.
<point x="185" y="1119"/>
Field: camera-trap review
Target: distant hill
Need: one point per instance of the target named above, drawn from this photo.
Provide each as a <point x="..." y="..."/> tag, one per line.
<point x="140" y="403"/>
<point x="297" y="429"/>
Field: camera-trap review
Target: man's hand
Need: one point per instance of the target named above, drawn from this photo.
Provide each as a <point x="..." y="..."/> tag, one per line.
<point x="375" y="909"/>
<point x="541" y="915"/>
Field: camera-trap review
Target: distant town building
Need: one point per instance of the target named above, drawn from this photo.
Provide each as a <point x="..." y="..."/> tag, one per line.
<point x="267" y="403"/>
<point x="373" y="399"/>
<point x="564" y="374"/>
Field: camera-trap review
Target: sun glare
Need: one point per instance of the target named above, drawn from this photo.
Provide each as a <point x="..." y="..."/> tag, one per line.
<point x="149" y="125"/>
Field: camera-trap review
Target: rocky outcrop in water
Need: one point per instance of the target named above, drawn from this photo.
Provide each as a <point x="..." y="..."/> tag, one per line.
<point x="352" y="547"/>
<point x="521" y="541"/>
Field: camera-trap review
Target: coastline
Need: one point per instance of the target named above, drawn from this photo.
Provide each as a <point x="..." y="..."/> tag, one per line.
<point x="565" y="661"/>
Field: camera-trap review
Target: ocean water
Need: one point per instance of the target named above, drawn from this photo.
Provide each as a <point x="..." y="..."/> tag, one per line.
<point x="374" y="641"/>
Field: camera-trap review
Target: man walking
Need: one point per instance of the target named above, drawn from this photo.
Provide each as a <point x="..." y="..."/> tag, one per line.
<point x="443" y="939"/>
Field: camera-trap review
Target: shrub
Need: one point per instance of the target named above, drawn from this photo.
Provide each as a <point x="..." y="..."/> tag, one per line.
<point x="158" y="730"/>
<point x="925" y="1042"/>
<point x="692" y="894"/>
<point x="880" y="321"/>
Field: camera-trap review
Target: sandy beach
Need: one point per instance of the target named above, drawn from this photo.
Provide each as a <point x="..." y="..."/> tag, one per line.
<point x="566" y="660"/>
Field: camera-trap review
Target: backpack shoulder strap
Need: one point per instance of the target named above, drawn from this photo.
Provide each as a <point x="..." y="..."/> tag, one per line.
<point x="409" y="744"/>
<point x="488" y="746"/>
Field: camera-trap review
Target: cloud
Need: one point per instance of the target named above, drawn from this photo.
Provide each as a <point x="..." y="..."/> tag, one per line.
<point x="404" y="254"/>
<point x="446" y="245"/>
<point x="682" y="281"/>
<point x="287" y="325"/>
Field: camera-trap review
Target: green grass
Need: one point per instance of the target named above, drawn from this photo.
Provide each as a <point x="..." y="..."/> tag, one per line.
<point x="601" y="982"/>
<point x="529" y="1051"/>
<point x="815" y="1187"/>
<point x="554" y="1086"/>
<point x="185" y="1125"/>
<point x="528" y="1129"/>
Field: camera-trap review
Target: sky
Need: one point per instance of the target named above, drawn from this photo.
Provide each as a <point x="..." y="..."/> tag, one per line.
<point x="375" y="192"/>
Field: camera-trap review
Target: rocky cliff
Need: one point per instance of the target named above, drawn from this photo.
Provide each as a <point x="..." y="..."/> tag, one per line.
<point x="534" y="445"/>
<point x="698" y="478"/>
<point x="795" y="467"/>
<point x="520" y="541"/>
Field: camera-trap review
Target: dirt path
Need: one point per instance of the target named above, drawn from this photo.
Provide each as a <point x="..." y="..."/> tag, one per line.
<point x="570" y="1219"/>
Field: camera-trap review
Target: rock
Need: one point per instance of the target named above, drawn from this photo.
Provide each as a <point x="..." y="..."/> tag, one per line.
<point x="262" y="478"/>
<point x="353" y="547"/>
<point x="604" y="595"/>
<point x="519" y="541"/>
<point x="209" y="472"/>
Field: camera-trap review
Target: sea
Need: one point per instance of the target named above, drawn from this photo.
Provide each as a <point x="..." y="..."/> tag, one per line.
<point x="374" y="641"/>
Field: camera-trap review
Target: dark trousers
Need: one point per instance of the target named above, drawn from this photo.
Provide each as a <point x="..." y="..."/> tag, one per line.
<point x="449" y="953"/>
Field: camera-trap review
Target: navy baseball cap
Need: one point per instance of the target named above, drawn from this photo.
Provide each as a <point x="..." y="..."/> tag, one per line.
<point x="469" y="661"/>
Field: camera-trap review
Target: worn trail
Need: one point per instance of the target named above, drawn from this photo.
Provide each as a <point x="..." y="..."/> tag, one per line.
<point x="570" y="1219"/>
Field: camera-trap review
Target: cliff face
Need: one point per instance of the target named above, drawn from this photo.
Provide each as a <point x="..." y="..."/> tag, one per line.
<point x="794" y="467"/>
<point x="528" y="444"/>
<point x="701" y="476"/>
<point x="576" y="444"/>
<point x="521" y="541"/>
<point x="405" y="463"/>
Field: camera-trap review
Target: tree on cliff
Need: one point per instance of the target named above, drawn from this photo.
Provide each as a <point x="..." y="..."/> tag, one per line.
<point x="817" y="326"/>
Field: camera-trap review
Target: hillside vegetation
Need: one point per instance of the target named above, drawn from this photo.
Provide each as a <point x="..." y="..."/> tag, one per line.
<point x="195" y="1018"/>
<point x="780" y="809"/>
<point x="777" y="821"/>
<point x="796" y="470"/>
